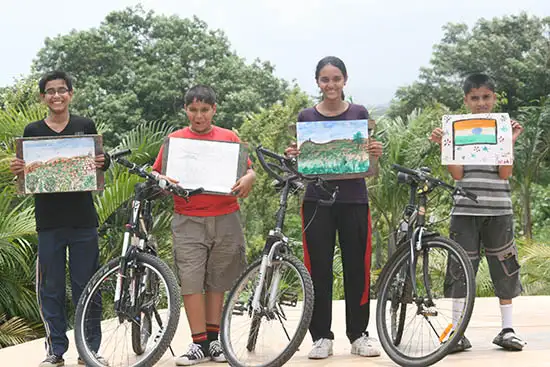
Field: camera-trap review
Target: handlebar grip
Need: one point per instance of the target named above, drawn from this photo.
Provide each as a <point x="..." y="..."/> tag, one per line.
<point x="404" y="170"/>
<point x="200" y="190"/>
<point x="470" y="195"/>
<point x="125" y="163"/>
<point x="120" y="154"/>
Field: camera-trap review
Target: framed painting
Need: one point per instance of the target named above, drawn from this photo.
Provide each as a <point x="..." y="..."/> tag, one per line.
<point x="59" y="164"/>
<point x="477" y="139"/>
<point x="212" y="165"/>
<point x="334" y="149"/>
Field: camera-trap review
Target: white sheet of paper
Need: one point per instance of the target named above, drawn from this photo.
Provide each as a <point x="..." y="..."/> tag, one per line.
<point x="212" y="165"/>
<point x="477" y="139"/>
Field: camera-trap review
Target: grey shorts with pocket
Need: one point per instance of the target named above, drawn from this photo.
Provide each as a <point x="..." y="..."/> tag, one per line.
<point x="495" y="234"/>
<point x="209" y="252"/>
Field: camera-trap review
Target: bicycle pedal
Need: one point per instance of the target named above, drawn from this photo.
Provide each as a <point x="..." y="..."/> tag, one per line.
<point x="289" y="299"/>
<point x="239" y="309"/>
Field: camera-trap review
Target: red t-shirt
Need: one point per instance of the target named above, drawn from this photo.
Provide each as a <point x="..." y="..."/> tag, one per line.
<point x="203" y="205"/>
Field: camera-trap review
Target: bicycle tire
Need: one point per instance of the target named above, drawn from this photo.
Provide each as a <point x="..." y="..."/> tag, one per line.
<point x="401" y="310"/>
<point x="393" y="263"/>
<point x="169" y="328"/>
<point x="303" y="325"/>
<point x="139" y="341"/>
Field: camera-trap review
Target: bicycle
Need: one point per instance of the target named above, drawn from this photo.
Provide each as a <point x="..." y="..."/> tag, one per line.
<point x="429" y="278"/>
<point x="275" y="289"/>
<point x="136" y="291"/>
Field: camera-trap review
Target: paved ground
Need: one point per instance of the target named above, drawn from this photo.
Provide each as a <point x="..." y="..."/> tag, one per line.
<point x="531" y="320"/>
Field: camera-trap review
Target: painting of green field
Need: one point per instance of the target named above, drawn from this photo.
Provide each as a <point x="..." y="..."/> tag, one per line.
<point x="333" y="148"/>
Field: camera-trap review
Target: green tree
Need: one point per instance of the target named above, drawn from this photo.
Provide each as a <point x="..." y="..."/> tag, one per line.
<point x="358" y="138"/>
<point x="530" y="158"/>
<point x="136" y="67"/>
<point x="515" y="50"/>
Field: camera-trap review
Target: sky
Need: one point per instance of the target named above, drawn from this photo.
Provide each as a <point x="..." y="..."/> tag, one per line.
<point x="43" y="150"/>
<point x="383" y="43"/>
<point x="322" y="131"/>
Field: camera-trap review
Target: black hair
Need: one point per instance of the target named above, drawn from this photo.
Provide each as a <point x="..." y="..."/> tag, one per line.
<point x="200" y="93"/>
<point x="331" y="60"/>
<point x="334" y="61"/>
<point x="478" y="80"/>
<point x="55" y="75"/>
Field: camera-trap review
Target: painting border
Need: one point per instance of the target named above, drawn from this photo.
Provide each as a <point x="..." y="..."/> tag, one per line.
<point x="98" y="148"/>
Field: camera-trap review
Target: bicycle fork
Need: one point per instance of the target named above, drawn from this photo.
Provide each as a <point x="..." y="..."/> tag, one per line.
<point x="266" y="264"/>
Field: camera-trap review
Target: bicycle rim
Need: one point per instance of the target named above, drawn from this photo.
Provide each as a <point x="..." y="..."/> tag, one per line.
<point x="271" y="336"/>
<point x="435" y="318"/>
<point x="148" y="325"/>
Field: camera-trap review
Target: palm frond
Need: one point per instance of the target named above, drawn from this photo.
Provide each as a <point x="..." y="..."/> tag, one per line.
<point x="14" y="331"/>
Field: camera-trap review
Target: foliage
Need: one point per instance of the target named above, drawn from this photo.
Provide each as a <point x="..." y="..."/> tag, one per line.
<point x="136" y="67"/>
<point x="334" y="157"/>
<point x="514" y="50"/>
<point x="530" y="158"/>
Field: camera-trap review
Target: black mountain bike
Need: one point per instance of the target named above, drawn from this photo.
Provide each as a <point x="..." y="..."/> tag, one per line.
<point x="426" y="291"/>
<point x="267" y="312"/>
<point x="129" y="310"/>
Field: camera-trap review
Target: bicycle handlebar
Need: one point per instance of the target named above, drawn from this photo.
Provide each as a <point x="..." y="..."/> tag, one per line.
<point x="421" y="176"/>
<point x="140" y="171"/>
<point x="287" y="165"/>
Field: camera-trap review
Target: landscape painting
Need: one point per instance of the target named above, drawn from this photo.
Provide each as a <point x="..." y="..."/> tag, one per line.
<point x="60" y="164"/>
<point x="480" y="139"/>
<point x="333" y="149"/>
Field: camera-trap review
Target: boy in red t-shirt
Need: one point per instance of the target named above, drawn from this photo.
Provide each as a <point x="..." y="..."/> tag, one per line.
<point x="209" y="246"/>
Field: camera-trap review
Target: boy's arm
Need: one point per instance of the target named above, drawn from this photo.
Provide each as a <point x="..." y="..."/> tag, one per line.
<point x="505" y="172"/>
<point x="457" y="171"/>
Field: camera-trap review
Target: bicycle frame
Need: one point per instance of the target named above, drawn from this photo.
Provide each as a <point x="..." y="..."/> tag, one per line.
<point x="135" y="240"/>
<point x="276" y="242"/>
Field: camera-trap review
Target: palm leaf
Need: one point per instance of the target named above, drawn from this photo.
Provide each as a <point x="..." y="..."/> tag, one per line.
<point x="14" y="331"/>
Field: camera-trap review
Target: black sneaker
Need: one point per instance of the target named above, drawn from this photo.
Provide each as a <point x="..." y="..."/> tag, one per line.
<point x="508" y="339"/>
<point x="216" y="351"/>
<point x="195" y="355"/>
<point x="52" y="361"/>
<point x="461" y="346"/>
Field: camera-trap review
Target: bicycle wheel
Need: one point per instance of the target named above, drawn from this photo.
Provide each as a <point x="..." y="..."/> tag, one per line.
<point x="270" y="336"/>
<point x="103" y="333"/>
<point x="436" y="315"/>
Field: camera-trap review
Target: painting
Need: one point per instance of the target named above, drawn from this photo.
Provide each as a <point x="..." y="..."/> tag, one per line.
<point x="333" y="149"/>
<point x="477" y="139"/>
<point x="59" y="164"/>
<point x="213" y="165"/>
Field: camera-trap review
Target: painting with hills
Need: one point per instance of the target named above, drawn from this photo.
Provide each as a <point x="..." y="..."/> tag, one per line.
<point x="59" y="164"/>
<point x="333" y="149"/>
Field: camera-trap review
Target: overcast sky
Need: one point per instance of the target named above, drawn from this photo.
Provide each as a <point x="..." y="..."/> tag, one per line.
<point x="382" y="42"/>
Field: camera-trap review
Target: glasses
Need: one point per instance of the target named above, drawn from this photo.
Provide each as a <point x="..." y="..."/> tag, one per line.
<point x="53" y="91"/>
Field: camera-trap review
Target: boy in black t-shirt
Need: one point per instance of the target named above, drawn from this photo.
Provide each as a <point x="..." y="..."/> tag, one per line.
<point x="63" y="220"/>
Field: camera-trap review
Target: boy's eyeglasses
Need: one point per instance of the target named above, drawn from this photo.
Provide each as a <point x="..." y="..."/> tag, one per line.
<point x="53" y="91"/>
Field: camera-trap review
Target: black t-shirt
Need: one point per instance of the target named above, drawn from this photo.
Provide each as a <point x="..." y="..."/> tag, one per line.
<point x="350" y="190"/>
<point x="67" y="209"/>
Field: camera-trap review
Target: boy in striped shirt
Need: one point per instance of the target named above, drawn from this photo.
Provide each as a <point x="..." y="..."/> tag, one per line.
<point x="488" y="222"/>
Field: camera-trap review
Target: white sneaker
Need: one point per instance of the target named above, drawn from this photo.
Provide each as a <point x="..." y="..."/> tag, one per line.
<point x="365" y="347"/>
<point x="322" y="348"/>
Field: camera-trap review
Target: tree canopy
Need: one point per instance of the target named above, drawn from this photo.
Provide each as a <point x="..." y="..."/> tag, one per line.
<point x="514" y="50"/>
<point x="136" y="67"/>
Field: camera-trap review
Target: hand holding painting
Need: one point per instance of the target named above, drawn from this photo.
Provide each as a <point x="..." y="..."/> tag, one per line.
<point x="17" y="165"/>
